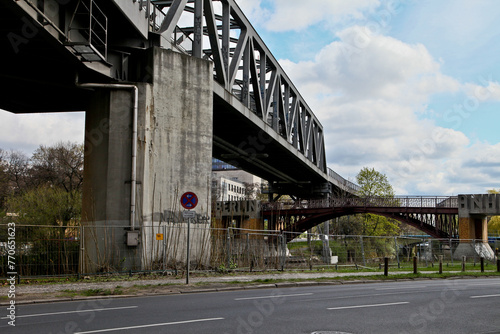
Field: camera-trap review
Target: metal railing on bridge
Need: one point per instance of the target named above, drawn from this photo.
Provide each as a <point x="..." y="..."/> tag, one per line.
<point x="396" y="201"/>
<point x="347" y="185"/>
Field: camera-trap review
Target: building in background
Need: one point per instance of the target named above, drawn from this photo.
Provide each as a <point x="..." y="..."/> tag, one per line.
<point x="232" y="184"/>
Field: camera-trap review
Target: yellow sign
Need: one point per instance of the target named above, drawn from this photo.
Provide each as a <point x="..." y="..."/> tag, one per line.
<point x="159" y="236"/>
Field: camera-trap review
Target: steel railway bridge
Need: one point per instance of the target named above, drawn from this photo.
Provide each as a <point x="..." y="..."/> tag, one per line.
<point x="254" y="117"/>
<point x="261" y="122"/>
<point x="436" y="216"/>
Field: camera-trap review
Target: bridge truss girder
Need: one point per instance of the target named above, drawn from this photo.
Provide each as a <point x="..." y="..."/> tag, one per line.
<point x="54" y="55"/>
<point x="243" y="65"/>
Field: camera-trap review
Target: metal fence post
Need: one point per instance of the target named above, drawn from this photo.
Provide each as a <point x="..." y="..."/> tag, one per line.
<point x="397" y="251"/>
<point x="164" y="247"/>
<point x="429" y="245"/>
<point x="228" y="245"/>
<point x="482" y="264"/>
<point x="248" y="249"/>
<point x="362" y="250"/>
<point x="386" y="266"/>
<point x="82" y="250"/>
<point x="474" y="248"/>
<point x="415" y="271"/>
<point x="440" y="264"/>
<point x="282" y="248"/>
<point x="451" y="253"/>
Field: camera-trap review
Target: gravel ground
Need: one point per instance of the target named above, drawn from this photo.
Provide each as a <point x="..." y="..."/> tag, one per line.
<point x="80" y="286"/>
<point x="43" y="291"/>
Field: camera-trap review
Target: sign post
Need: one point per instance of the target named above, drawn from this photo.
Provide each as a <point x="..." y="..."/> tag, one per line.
<point x="189" y="200"/>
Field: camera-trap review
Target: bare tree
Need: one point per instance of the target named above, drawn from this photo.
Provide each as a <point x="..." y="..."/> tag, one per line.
<point x="60" y="166"/>
<point x="252" y="190"/>
<point x="4" y="179"/>
<point x="17" y="169"/>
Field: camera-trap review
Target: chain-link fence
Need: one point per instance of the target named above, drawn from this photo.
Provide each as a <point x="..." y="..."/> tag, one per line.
<point x="57" y="251"/>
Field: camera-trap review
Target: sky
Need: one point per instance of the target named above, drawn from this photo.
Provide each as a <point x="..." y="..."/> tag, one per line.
<point x="408" y="87"/>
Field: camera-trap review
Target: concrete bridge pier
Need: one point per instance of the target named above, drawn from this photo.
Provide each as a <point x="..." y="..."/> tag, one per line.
<point x="473" y="211"/>
<point x="473" y="232"/>
<point x="123" y="210"/>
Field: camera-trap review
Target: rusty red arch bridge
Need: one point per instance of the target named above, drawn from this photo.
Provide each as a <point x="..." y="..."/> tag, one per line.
<point x="435" y="216"/>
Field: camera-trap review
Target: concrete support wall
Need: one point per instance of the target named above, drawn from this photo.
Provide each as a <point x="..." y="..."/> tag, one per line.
<point x="106" y="187"/>
<point x="174" y="156"/>
<point x="245" y="215"/>
<point x="473" y="227"/>
<point x="473" y="211"/>
<point x="175" y="147"/>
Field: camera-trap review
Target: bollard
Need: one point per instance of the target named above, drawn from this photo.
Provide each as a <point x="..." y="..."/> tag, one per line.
<point x="415" y="271"/>
<point x="482" y="264"/>
<point x="440" y="264"/>
<point x="498" y="266"/>
<point x="386" y="266"/>
<point x="464" y="258"/>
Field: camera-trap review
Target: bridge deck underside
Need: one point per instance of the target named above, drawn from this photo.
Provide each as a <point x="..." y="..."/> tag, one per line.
<point x="241" y="142"/>
<point x="436" y="222"/>
<point x="37" y="72"/>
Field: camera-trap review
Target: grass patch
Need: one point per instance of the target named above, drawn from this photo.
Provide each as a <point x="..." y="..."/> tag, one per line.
<point x="391" y="276"/>
<point x="95" y="292"/>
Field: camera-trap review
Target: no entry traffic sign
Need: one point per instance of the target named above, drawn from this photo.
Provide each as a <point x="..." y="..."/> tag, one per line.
<point x="189" y="200"/>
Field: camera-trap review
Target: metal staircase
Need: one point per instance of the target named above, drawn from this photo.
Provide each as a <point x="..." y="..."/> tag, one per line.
<point x="88" y="32"/>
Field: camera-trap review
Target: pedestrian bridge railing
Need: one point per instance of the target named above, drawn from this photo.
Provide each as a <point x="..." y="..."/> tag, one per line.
<point x="393" y="202"/>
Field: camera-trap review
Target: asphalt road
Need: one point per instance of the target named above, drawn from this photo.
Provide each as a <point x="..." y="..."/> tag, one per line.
<point x="430" y="306"/>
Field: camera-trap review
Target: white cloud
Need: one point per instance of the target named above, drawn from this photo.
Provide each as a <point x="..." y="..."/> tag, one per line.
<point x="488" y="91"/>
<point x="26" y="132"/>
<point x="362" y="66"/>
<point x="369" y="92"/>
<point x="298" y="14"/>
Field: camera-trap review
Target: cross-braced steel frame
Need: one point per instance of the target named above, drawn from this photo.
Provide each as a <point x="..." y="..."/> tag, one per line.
<point x="219" y="31"/>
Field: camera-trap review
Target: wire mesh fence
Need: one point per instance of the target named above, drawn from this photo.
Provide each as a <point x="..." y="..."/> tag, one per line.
<point x="59" y="251"/>
<point x="39" y="250"/>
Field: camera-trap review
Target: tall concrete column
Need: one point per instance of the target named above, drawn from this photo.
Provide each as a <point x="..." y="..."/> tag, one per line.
<point x="107" y="182"/>
<point x="174" y="155"/>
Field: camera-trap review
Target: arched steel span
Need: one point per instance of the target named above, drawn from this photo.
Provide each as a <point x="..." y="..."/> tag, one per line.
<point x="436" y="216"/>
